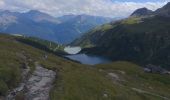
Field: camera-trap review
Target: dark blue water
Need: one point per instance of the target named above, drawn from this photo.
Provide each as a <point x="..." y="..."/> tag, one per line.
<point x="88" y="59"/>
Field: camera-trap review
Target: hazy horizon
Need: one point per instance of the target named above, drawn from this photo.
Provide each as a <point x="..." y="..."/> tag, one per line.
<point x="106" y="8"/>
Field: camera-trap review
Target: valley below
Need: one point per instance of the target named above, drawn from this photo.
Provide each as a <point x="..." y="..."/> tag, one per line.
<point x="44" y="75"/>
<point x="125" y="59"/>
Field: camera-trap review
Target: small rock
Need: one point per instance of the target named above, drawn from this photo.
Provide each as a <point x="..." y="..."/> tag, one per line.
<point x="114" y="76"/>
<point x="105" y="95"/>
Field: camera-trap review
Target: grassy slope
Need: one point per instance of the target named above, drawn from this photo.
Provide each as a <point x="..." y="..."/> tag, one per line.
<point x="42" y="44"/>
<point x="133" y="76"/>
<point x="80" y="82"/>
<point x="11" y="62"/>
<point x="51" y="45"/>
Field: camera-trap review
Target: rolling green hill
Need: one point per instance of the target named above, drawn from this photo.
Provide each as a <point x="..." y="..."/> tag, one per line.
<point x="114" y="81"/>
<point x="43" y="44"/>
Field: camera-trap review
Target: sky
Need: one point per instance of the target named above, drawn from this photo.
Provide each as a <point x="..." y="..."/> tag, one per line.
<point x="107" y="8"/>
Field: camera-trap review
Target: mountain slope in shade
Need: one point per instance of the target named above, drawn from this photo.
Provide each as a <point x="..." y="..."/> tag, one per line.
<point x="65" y="18"/>
<point x="32" y="23"/>
<point x="35" y="23"/>
<point x="143" y="40"/>
<point x="78" y="25"/>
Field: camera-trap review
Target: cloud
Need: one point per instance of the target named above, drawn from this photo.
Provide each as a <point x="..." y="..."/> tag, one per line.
<point x="107" y="8"/>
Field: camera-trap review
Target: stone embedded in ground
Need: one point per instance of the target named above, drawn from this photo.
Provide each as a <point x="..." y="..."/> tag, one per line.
<point x="114" y="76"/>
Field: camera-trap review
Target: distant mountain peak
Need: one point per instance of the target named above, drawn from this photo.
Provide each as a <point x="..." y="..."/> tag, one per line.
<point x="8" y="12"/>
<point x="39" y="16"/>
<point x="167" y="6"/>
<point x="164" y="11"/>
<point x="5" y="11"/>
<point x="36" y="12"/>
<point x="141" y="12"/>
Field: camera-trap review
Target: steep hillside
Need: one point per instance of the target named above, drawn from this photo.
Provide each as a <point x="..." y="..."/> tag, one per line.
<point x="164" y="11"/>
<point x="73" y="81"/>
<point x="143" y="39"/>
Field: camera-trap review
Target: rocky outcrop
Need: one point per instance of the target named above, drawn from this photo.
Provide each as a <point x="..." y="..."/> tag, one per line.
<point x="155" y="69"/>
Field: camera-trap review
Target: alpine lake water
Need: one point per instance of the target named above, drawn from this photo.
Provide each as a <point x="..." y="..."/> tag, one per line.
<point x="84" y="58"/>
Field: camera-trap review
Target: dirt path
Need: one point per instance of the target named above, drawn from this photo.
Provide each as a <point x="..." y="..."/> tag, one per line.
<point x="37" y="86"/>
<point x="40" y="83"/>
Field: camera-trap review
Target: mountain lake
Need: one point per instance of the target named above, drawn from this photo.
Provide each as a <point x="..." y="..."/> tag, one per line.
<point x="84" y="58"/>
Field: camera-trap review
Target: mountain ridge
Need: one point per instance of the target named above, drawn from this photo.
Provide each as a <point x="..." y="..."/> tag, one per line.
<point x="38" y="16"/>
<point x="41" y="25"/>
<point x="164" y="11"/>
